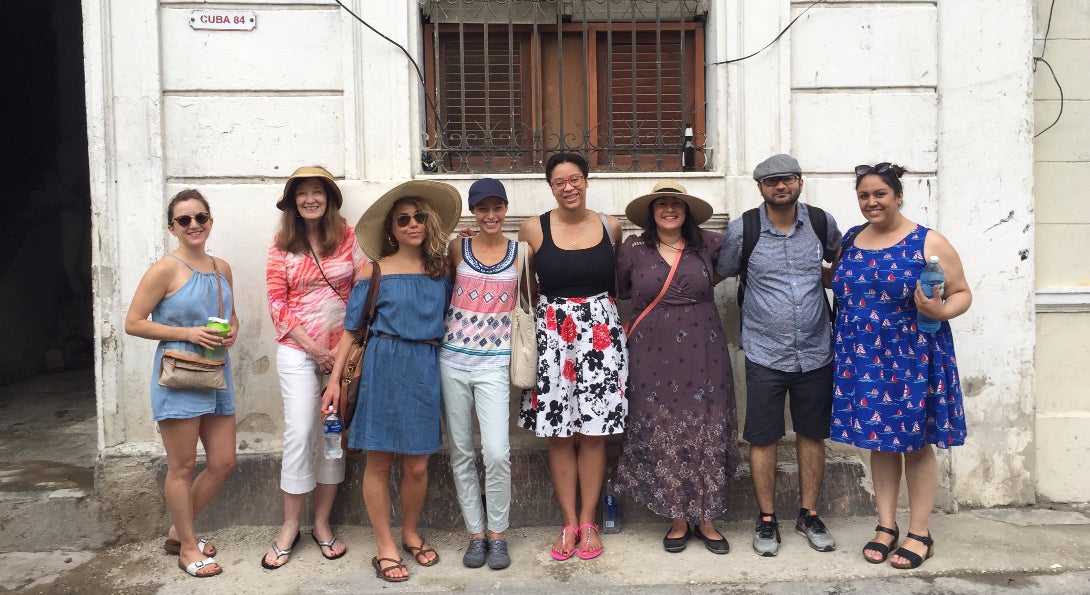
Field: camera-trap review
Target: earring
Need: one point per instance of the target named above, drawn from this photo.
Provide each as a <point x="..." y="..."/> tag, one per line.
<point x="390" y="240"/>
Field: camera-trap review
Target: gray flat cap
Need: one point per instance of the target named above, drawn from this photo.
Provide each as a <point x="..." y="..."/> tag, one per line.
<point x="776" y="165"/>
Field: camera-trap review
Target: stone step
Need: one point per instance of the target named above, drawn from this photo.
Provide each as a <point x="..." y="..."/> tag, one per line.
<point x="252" y="496"/>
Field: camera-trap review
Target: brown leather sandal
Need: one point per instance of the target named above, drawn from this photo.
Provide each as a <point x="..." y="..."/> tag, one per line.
<point x="384" y="573"/>
<point x="422" y="550"/>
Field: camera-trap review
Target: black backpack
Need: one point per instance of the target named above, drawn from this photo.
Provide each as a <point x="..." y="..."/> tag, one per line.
<point x="751" y="233"/>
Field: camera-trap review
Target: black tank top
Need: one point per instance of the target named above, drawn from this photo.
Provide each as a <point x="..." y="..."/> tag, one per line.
<point x="574" y="273"/>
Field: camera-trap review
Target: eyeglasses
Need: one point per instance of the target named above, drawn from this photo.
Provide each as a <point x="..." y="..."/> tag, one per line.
<point x="403" y="219"/>
<point x="185" y="220"/>
<point x="863" y="170"/>
<point x="575" y="181"/>
<point x="773" y="181"/>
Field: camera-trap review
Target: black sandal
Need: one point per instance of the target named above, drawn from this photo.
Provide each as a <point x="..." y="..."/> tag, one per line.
<point x="881" y="548"/>
<point x="914" y="559"/>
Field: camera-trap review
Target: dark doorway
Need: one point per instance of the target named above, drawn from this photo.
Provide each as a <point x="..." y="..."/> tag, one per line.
<point x="45" y="251"/>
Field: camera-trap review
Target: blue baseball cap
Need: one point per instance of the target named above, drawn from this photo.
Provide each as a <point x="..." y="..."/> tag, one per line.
<point x="486" y="188"/>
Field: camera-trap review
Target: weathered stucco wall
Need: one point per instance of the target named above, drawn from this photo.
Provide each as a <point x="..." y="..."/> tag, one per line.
<point x="926" y="84"/>
<point x="1062" y="172"/>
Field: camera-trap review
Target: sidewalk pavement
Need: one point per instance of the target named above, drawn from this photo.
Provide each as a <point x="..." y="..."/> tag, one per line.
<point x="1030" y="550"/>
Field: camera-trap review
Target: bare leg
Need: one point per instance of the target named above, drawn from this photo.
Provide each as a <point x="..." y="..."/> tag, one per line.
<point x="324" y="494"/>
<point x="591" y="469"/>
<point x="811" y="456"/>
<point x="376" y="497"/>
<point x="922" y="476"/>
<point x="180" y="442"/>
<point x="885" y="469"/>
<point x="678" y="527"/>
<point x="414" y="487"/>
<point x="293" y="510"/>
<point x="563" y="466"/>
<point x="762" y="464"/>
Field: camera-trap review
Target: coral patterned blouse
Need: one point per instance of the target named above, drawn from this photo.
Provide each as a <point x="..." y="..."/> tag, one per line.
<point x="300" y="296"/>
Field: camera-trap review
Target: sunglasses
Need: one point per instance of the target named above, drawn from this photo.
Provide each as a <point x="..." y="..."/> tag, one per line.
<point x="575" y="181"/>
<point x="863" y="170"/>
<point x="403" y="219"/>
<point x="185" y="220"/>
<point x="773" y="181"/>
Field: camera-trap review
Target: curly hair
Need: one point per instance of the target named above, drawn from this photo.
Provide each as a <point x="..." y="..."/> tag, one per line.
<point x="433" y="251"/>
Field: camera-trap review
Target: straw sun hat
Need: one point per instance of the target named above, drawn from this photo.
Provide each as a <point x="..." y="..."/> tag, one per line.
<point x="311" y="171"/>
<point x="638" y="213"/>
<point x="442" y="198"/>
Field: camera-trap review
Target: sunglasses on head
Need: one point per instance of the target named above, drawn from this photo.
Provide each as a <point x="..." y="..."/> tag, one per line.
<point x="403" y="219"/>
<point x="863" y="170"/>
<point x="185" y="220"/>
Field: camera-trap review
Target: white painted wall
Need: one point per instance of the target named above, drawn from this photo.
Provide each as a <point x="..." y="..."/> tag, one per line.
<point x="1062" y="255"/>
<point x="924" y="83"/>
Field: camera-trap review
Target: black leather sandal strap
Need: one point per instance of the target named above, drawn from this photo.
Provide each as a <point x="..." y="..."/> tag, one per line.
<point x="914" y="559"/>
<point x="924" y="540"/>
<point x="882" y="529"/>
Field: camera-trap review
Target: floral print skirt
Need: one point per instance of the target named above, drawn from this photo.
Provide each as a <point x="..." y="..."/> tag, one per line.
<point x="582" y="369"/>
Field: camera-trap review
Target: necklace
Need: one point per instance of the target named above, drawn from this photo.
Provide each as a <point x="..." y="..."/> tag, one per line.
<point x="671" y="246"/>
<point x="578" y="231"/>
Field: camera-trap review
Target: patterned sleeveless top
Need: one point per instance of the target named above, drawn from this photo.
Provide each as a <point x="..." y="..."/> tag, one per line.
<point x="478" y="333"/>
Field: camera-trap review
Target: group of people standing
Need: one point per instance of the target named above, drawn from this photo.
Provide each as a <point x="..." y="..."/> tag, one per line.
<point x="861" y="373"/>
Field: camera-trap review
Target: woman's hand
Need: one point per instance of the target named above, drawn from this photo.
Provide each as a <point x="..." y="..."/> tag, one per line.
<point x="331" y="397"/>
<point x="206" y="337"/>
<point x="931" y="307"/>
<point x="324" y="358"/>
<point x="229" y="340"/>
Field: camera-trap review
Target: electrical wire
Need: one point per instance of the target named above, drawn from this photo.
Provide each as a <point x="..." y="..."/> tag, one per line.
<point x="1041" y="58"/>
<point x="419" y="73"/>
<point x="774" y="39"/>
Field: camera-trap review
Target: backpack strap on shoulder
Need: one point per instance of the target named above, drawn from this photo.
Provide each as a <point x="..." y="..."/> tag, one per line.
<point x="751" y="232"/>
<point x="820" y="223"/>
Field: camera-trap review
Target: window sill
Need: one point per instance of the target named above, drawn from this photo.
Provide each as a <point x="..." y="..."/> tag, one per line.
<point x="1072" y="298"/>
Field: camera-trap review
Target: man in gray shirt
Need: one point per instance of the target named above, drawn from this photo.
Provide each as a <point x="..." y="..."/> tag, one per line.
<point x="787" y="338"/>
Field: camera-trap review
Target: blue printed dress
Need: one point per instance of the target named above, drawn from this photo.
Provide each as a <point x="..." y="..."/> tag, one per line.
<point x="398" y="406"/>
<point x="895" y="389"/>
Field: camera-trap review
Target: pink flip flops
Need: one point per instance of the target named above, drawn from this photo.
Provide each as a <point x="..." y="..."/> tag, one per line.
<point x="583" y="552"/>
<point x="568" y="553"/>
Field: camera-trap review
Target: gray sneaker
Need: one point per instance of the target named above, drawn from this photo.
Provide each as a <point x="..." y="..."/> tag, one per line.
<point x="817" y="535"/>
<point x="766" y="537"/>
<point x="476" y="552"/>
<point x="497" y="554"/>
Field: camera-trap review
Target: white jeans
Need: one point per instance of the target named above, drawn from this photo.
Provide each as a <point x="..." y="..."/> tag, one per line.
<point x="304" y="463"/>
<point x="488" y="393"/>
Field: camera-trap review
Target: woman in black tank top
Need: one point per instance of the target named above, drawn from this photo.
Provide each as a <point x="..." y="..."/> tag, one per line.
<point x="582" y="358"/>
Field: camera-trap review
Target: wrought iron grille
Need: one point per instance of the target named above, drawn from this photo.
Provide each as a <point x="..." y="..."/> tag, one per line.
<point x="513" y="81"/>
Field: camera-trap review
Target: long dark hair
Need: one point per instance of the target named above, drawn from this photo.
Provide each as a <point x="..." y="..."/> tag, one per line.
<point x="690" y="231"/>
<point x="292" y="236"/>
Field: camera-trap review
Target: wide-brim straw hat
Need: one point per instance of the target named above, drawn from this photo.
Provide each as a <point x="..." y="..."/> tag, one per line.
<point x="637" y="211"/>
<point x="441" y="197"/>
<point x="310" y="171"/>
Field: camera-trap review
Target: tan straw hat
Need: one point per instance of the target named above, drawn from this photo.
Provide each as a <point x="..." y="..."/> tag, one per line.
<point x="310" y="171"/>
<point x="638" y="213"/>
<point x="441" y="197"/>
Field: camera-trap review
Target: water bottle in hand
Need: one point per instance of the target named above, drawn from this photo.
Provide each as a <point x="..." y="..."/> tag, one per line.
<point x="332" y="437"/>
<point x="931" y="282"/>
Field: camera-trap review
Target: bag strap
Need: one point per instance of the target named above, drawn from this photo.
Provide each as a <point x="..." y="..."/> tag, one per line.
<point x="844" y="243"/>
<point x="219" y="285"/>
<point x="522" y="270"/>
<point x="662" y="292"/>
<point x="370" y="305"/>
<point x="318" y="263"/>
<point x="751" y="233"/>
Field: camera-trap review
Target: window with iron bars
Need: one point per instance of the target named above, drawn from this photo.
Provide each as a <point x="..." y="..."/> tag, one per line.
<point x="513" y="81"/>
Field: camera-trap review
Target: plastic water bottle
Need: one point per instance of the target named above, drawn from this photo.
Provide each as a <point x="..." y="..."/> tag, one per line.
<point x="931" y="281"/>
<point x="332" y="437"/>
<point x="612" y="521"/>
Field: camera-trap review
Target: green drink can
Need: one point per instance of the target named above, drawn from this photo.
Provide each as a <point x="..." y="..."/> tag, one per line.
<point x="222" y="328"/>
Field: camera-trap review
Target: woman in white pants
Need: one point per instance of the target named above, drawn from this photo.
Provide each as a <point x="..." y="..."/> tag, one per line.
<point x="474" y="368"/>
<point x="312" y="264"/>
